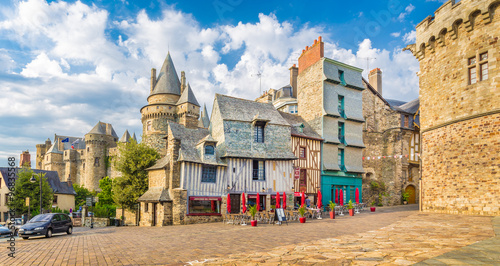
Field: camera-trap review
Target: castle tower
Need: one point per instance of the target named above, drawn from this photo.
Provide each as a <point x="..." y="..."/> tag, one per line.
<point x="25" y="159"/>
<point x="53" y="159"/>
<point x="96" y="142"/>
<point x="41" y="149"/>
<point x="162" y="105"/>
<point x="188" y="109"/>
<point x="459" y="53"/>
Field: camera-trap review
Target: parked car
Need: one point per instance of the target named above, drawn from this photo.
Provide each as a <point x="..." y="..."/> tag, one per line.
<point x="46" y="225"/>
<point x="75" y="215"/>
<point x="18" y="222"/>
<point x="4" y="231"/>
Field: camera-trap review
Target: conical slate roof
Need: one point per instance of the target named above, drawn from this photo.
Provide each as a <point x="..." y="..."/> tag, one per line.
<point x="98" y="129"/>
<point x="205" y="119"/>
<point x="133" y="136"/>
<point x="188" y="97"/>
<point x="168" y="81"/>
<point x="54" y="148"/>
<point x="125" y="137"/>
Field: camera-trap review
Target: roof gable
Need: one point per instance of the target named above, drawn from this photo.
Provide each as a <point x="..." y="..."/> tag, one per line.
<point x="188" y="97"/>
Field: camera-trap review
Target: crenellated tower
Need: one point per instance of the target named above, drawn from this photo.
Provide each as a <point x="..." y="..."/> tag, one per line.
<point x="459" y="53"/>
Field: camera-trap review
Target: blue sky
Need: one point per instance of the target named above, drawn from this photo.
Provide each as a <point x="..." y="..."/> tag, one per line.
<point x="65" y="65"/>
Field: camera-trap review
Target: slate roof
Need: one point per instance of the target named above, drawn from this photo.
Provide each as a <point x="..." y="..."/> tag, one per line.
<point x="284" y="92"/>
<point x="188" y="97"/>
<point x="237" y="109"/>
<point x="125" y="137"/>
<point x="394" y="103"/>
<point x="296" y="121"/>
<point x="155" y="194"/>
<point x="54" y="148"/>
<point x="103" y="129"/>
<point x="167" y="81"/>
<point x="410" y="107"/>
<point x="397" y="105"/>
<point x="204" y="118"/>
<point x="133" y="136"/>
<point x="52" y="177"/>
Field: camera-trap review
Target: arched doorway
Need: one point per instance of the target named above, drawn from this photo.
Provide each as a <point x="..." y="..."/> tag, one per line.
<point x="411" y="190"/>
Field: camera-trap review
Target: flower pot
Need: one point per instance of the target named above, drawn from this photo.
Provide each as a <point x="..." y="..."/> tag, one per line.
<point x="405" y="202"/>
<point x="332" y="215"/>
<point x="372" y="209"/>
<point x="351" y="212"/>
<point x="253" y="222"/>
<point x="302" y="220"/>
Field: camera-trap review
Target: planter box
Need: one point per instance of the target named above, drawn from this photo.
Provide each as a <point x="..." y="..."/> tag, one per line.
<point x="351" y="212"/>
<point x="332" y="215"/>
<point x="302" y="220"/>
<point x="253" y="222"/>
<point x="372" y="209"/>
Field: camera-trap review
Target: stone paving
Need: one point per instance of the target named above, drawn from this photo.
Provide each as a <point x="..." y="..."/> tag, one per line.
<point x="397" y="235"/>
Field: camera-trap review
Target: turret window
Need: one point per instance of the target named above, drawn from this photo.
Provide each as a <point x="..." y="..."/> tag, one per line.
<point x="148" y="128"/>
<point x="259" y="131"/>
<point x="96" y="161"/>
<point x="478" y="62"/>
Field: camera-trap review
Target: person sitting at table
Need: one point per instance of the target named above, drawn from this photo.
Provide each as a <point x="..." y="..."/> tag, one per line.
<point x="308" y="202"/>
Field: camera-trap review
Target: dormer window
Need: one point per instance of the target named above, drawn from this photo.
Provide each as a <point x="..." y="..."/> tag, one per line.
<point x="259" y="131"/>
<point x="209" y="150"/>
<point x="341" y="77"/>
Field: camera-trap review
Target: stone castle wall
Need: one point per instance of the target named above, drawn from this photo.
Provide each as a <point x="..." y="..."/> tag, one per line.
<point x="460" y="128"/>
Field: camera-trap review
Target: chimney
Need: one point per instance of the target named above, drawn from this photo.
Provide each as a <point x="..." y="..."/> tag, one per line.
<point x="153" y="79"/>
<point x="375" y="79"/>
<point x="294" y="72"/>
<point x="312" y="54"/>
<point x="183" y="81"/>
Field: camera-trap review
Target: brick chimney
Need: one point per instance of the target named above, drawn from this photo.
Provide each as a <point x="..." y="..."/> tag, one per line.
<point x="183" y="81"/>
<point x="294" y="72"/>
<point x="312" y="54"/>
<point x="375" y="79"/>
<point x="25" y="159"/>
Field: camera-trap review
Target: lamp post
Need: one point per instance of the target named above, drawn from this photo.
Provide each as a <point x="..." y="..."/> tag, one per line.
<point x="33" y="180"/>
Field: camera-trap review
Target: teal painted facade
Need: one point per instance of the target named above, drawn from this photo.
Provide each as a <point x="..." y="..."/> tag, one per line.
<point x="331" y="180"/>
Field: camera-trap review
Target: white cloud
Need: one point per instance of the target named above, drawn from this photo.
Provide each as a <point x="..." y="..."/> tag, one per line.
<point x="407" y="11"/>
<point x="395" y="34"/>
<point x="42" y="66"/>
<point x="410" y="37"/>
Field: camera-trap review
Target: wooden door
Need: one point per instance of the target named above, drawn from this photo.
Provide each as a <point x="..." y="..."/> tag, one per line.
<point x="411" y="190"/>
<point x="235" y="203"/>
<point x="303" y="181"/>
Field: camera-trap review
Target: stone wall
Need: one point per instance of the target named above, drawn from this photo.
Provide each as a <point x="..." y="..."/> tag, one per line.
<point x="460" y="128"/>
<point x="130" y="218"/>
<point x="98" y="222"/>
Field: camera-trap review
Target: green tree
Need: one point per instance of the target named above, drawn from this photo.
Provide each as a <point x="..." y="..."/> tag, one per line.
<point x="132" y="162"/>
<point x="81" y="195"/>
<point x="25" y="188"/>
<point x="106" y="194"/>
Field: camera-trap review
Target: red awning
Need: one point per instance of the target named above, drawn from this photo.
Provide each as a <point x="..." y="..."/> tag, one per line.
<point x="252" y="196"/>
<point x="297" y="194"/>
<point x="205" y="198"/>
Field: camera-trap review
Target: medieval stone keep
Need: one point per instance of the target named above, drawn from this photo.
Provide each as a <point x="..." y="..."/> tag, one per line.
<point x="458" y="50"/>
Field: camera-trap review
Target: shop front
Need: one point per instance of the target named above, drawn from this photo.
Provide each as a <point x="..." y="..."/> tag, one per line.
<point x="332" y="184"/>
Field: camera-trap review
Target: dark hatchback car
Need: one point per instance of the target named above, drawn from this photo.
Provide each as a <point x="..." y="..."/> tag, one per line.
<point x="46" y="225"/>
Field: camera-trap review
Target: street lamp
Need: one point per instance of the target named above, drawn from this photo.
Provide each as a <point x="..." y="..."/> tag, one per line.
<point x="33" y="180"/>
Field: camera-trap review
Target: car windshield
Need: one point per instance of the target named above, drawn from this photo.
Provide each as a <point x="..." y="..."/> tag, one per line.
<point x="40" y="218"/>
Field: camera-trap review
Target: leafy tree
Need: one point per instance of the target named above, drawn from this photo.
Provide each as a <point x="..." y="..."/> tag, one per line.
<point x="132" y="161"/>
<point x="106" y="194"/>
<point x="81" y="195"/>
<point x="25" y="188"/>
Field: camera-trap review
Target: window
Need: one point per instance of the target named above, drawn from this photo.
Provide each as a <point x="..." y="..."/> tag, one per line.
<point x="208" y="173"/>
<point x="259" y="170"/>
<point x="406" y="121"/>
<point x="204" y="205"/>
<point x="209" y="150"/>
<point x="341" y="159"/>
<point x="341" y="106"/>
<point x="83" y="166"/>
<point x="88" y="149"/>
<point x="96" y="161"/>
<point x="474" y="65"/>
<point x="6" y="199"/>
<point x="259" y="132"/>
<point x="341" y="77"/>
<point x="302" y="152"/>
<point x="292" y="109"/>
<point x="148" y="126"/>
<point x="341" y="133"/>
<point x="146" y="207"/>
<point x="54" y="201"/>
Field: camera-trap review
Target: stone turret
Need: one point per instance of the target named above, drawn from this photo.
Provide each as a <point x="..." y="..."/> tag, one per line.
<point x="96" y="144"/>
<point x="189" y="109"/>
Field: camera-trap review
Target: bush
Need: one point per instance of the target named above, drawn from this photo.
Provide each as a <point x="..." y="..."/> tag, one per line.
<point x="104" y="211"/>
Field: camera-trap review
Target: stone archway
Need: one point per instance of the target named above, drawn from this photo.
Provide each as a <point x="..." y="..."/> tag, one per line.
<point x="412" y="191"/>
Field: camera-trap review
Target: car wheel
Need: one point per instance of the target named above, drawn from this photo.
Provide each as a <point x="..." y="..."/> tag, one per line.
<point x="70" y="230"/>
<point x="25" y="237"/>
<point x="49" y="233"/>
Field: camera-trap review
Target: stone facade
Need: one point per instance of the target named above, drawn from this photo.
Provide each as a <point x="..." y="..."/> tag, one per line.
<point x="388" y="158"/>
<point x="458" y="51"/>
